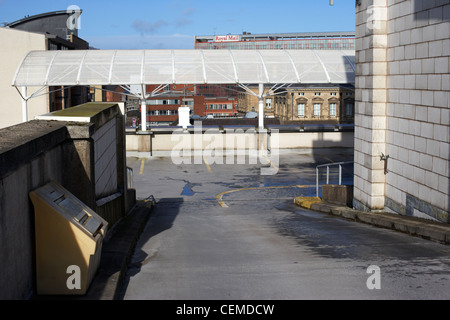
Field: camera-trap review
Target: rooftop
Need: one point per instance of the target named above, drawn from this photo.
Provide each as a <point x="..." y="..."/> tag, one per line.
<point x="278" y="36"/>
<point x="40" y="16"/>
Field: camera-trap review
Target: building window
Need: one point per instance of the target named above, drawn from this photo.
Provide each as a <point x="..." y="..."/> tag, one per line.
<point x="317" y="93"/>
<point x="348" y="94"/>
<point x="301" y="94"/>
<point x="332" y="109"/>
<point x="333" y="93"/>
<point x="268" y="103"/>
<point x="301" y="110"/>
<point x="349" y="109"/>
<point x="317" y="110"/>
<point x="52" y="46"/>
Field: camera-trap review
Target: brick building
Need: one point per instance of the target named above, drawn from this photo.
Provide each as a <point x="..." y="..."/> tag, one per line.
<point x="278" y="41"/>
<point x="220" y="107"/>
<point x="163" y="110"/>
<point x="335" y="103"/>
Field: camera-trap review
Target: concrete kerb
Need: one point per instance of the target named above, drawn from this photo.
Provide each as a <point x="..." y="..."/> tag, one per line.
<point x="117" y="251"/>
<point x="418" y="227"/>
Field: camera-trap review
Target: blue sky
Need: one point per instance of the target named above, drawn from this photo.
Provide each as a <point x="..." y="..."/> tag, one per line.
<point x="172" y="24"/>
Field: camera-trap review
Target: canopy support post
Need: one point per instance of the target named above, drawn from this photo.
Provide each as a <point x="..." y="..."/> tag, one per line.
<point x="143" y="115"/>
<point x="144" y="110"/>
<point x="261" y="107"/>
<point x="24" y="104"/>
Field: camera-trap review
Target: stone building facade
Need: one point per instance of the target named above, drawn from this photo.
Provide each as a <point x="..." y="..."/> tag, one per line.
<point x="317" y="103"/>
<point x="402" y="107"/>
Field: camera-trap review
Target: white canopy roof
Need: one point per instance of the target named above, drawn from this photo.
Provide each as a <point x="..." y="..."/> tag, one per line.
<point x="142" y="67"/>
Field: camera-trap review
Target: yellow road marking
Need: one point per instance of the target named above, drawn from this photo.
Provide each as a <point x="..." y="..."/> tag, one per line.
<point x="207" y="165"/>
<point x="224" y="205"/>
<point x="142" y="166"/>
<point x="271" y="163"/>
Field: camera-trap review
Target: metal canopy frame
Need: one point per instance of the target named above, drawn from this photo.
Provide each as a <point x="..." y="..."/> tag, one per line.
<point x="134" y="69"/>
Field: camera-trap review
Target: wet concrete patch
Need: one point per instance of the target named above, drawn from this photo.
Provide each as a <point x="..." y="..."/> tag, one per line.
<point x="335" y="238"/>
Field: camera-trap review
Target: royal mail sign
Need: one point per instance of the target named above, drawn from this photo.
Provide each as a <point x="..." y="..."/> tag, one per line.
<point x="227" y="38"/>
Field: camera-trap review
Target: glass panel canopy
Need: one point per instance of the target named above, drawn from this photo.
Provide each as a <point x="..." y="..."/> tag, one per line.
<point x="141" y="67"/>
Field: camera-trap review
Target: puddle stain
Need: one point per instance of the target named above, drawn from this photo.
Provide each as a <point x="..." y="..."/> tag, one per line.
<point x="188" y="189"/>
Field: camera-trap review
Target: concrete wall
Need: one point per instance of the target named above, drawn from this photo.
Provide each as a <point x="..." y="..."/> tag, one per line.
<point x="105" y="159"/>
<point x="15" y="45"/>
<point x="42" y="147"/>
<point x="168" y="142"/>
<point x="37" y="152"/>
<point x="403" y="104"/>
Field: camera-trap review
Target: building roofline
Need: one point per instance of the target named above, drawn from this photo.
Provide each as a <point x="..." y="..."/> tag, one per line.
<point x="42" y="15"/>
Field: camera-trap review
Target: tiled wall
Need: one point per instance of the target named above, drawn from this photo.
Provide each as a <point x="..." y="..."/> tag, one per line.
<point x="403" y="106"/>
<point x="371" y="100"/>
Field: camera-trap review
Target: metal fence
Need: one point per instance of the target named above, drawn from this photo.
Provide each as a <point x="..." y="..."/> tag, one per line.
<point x="328" y="165"/>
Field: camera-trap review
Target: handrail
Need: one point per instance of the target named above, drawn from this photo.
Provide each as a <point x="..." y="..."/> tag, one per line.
<point x="328" y="165"/>
<point x="334" y="164"/>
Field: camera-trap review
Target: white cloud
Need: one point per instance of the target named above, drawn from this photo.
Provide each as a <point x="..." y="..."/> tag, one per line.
<point x="181" y="22"/>
<point x="188" y="11"/>
<point x="145" y="27"/>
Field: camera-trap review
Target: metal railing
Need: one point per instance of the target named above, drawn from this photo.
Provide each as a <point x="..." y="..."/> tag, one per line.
<point x="328" y="165"/>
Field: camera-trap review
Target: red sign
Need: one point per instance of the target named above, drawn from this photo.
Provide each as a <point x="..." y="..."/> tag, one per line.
<point x="227" y="38"/>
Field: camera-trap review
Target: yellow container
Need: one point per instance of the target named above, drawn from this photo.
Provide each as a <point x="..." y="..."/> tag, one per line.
<point x="69" y="238"/>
